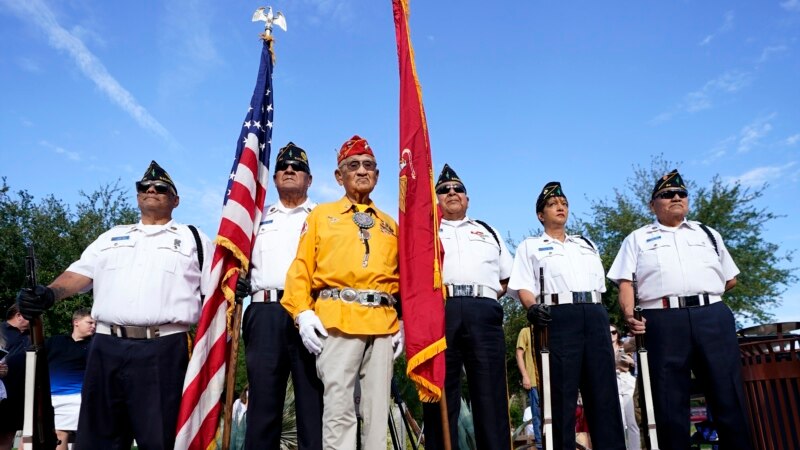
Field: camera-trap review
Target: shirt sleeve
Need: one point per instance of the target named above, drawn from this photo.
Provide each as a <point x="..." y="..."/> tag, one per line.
<point x="522" y="276"/>
<point x="297" y="291"/>
<point x="729" y="268"/>
<point x="208" y="258"/>
<point x="625" y="263"/>
<point x="87" y="263"/>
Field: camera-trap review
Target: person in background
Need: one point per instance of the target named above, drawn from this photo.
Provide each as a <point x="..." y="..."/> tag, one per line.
<point x="14" y="333"/>
<point x="66" y="357"/>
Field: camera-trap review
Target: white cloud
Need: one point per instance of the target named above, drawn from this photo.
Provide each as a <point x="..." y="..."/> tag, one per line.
<point x="751" y="134"/>
<point x="719" y="150"/>
<point x="792" y="140"/>
<point x="727" y="83"/>
<point x="760" y="175"/>
<point x="72" y="156"/>
<point x="768" y="51"/>
<point x="38" y="14"/>
<point x="791" y="5"/>
<point x="726" y="26"/>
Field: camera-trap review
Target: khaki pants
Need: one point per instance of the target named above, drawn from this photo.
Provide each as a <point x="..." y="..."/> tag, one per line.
<point x="344" y="359"/>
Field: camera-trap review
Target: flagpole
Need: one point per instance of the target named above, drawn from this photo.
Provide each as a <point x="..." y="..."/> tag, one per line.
<point x="230" y="374"/>
<point x="445" y="421"/>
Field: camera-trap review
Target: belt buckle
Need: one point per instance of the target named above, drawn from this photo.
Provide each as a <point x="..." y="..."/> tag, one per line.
<point x="370" y="298"/>
<point x="690" y="301"/>
<point x="348" y="294"/>
<point x="581" y="297"/>
<point x="462" y="290"/>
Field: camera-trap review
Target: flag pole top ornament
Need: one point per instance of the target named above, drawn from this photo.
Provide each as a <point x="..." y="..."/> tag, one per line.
<point x="265" y="14"/>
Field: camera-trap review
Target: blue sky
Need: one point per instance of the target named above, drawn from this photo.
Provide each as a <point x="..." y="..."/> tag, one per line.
<point x="517" y="93"/>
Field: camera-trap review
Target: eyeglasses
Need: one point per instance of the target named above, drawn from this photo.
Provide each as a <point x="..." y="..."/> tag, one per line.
<point x="297" y="166"/>
<point x="159" y="186"/>
<point x="669" y="195"/>
<point x="614" y="332"/>
<point x="446" y="188"/>
<point x="353" y="165"/>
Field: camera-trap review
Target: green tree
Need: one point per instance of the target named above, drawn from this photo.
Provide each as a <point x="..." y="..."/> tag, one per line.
<point x="58" y="235"/>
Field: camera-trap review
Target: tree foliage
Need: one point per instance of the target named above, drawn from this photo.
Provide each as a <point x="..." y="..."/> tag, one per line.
<point x="59" y="235"/>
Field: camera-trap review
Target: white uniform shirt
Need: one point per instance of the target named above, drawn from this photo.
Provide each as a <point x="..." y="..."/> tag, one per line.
<point x="472" y="255"/>
<point x="673" y="261"/>
<point x="145" y="274"/>
<point x="276" y="244"/>
<point x="569" y="266"/>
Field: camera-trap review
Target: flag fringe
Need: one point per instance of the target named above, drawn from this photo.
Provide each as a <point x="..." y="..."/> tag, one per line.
<point x="227" y="291"/>
<point x="428" y="392"/>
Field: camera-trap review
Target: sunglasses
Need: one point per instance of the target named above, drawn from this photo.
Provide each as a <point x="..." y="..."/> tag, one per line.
<point x="614" y="332"/>
<point x="160" y="187"/>
<point x="297" y="166"/>
<point x="445" y="189"/>
<point x="669" y="195"/>
<point x="368" y="165"/>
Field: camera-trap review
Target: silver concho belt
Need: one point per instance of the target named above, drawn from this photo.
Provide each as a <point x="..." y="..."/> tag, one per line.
<point x="366" y="297"/>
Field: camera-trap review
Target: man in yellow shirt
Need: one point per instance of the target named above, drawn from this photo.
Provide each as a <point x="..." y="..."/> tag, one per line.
<point x="342" y="291"/>
<point x="526" y="363"/>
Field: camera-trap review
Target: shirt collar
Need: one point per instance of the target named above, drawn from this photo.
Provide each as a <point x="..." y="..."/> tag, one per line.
<point x="344" y="205"/>
<point x="456" y="223"/>
<point x="307" y="206"/>
<point x="659" y="226"/>
<point x="169" y="226"/>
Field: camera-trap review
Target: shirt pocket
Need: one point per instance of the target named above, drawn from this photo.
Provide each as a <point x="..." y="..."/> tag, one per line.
<point x="703" y="250"/>
<point x="174" y="256"/>
<point x="654" y="253"/>
<point x="483" y="248"/>
<point x="117" y="253"/>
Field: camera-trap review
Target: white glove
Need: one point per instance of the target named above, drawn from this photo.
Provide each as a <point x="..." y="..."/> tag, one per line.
<point x="309" y="325"/>
<point x="399" y="341"/>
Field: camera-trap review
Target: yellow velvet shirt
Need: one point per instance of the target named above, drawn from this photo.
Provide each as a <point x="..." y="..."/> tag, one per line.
<point x="330" y="255"/>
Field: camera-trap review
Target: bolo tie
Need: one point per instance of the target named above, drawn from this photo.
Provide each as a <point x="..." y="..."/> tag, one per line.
<point x="364" y="222"/>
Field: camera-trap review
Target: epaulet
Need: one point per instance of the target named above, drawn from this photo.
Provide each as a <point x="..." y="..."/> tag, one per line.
<point x="491" y="231"/>
<point x="580" y="236"/>
<point x="710" y="235"/>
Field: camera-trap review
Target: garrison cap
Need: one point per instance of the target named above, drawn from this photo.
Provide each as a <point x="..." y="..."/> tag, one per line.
<point x="155" y="172"/>
<point x="448" y="175"/>
<point x="356" y="145"/>
<point x="670" y="180"/>
<point x="292" y="152"/>
<point x="551" y="189"/>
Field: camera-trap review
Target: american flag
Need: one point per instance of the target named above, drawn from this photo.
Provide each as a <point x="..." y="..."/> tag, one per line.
<point x="241" y="214"/>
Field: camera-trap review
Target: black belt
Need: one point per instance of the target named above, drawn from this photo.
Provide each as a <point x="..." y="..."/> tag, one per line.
<point x="688" y="301"/>
<point x="266" y="296"/>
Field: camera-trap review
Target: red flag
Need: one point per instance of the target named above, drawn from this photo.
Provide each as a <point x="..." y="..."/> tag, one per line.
<point x="420" y="254"/>
<point x="241" y="214"/>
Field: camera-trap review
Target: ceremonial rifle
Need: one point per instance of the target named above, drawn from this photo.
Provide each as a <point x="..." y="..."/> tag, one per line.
<point x="38" y="429"/>
<point x="544" y="350"/>
<point x="644" y="370"/>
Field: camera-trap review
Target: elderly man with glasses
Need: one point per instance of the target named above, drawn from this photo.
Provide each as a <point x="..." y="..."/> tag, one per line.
<point x="475" y="272"/>
<point x="683" y="268"/>
<point x="272" y="342"/>
<point x="146" y="280"/>
<point x="342" y="291"/>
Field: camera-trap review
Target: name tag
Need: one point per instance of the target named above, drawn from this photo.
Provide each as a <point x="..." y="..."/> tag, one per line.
<point x="654" y="238"/>
<point x="120" y="238"/>
<point x="267" y="222"/>
<point x="544" y="249"/>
